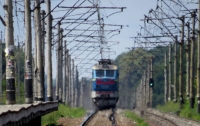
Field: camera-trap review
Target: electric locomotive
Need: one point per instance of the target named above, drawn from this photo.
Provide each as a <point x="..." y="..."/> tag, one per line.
<point x="105" y="84"/>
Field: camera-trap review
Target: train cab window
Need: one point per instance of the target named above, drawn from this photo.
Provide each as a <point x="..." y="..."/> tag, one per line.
<point x="110" y="73"/>
<point x="99" y="73"/>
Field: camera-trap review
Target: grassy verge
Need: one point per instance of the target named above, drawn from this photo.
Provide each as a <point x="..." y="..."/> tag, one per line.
<point x="136" y="118"/>
<point x="169" y="107"/>
<point x="186" y="111"/>
<point x="63" y="111"/>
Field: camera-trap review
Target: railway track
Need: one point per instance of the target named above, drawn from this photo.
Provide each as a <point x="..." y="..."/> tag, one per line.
<point x="160" y="120"/>
<point x="107" y="117"/>
<point x="165" y="119"/>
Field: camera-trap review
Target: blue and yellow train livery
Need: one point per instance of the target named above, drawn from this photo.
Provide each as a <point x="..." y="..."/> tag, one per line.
<point x="105" y="84"/>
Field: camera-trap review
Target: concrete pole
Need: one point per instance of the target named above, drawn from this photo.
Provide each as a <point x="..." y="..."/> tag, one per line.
<point x="170" y="75"/>
<point x="147" y="103"/>
<point x="148" y="93"/>
<point x="40" y="87"/>
<point x="58" y="63"/>
<point x="145" y="89"/>
<point x="165" y="76"/>
<point x="1" y="93"/>
<point x="187" y="49"/>
<point x="151" y="76"/>
<point x="28" y="79"/>
<point x="198" y="68"/>
<point x="9" y="52"/>
<point x="192" y="61"/>
<point x="35" y="91"/>
<point x="64" y="73"/>
<point x="137" y="97"/>
<point x="175" y="68"/>
<point x="72" y="84"/>
<point x="142" y="90"/>
<point x="84" y="93"/>
<point x="43" y="48"/>
<point x="18" y="70"/>
<point x="61" y="66"/>
<point x="181" y="63"/>
<point x="49" y="53"/>
<point x="70" y="78"/>
<point x="34" y="87"/>
<point x="76" y="88"/>
<point x="141" y="94"/>
<point x="81" y="92"/>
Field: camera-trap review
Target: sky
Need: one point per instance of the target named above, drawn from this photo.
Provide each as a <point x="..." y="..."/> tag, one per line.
<point x="129" y="18"/>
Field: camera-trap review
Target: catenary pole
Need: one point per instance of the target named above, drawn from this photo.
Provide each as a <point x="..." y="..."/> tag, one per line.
<point x="64" y="73"/>
<point x="35" y="89"/>
<point x="49" y="52"/>
<point x="145" y="91"/>
<point x="70" y="78"/>
<point x="175" y="68"/>
<point x="43" y="48"/>
<point x="170" y="75"/>
<point x="18" y="69"/>
<point x="165" y="76"/>
<point x="187" y="49"/>
<point x="72" y="84"/>
<point x="151" y="76"/>
<point x="141" y="91"/>
<point x="67" y="75"/>
<point x="198" y="67"/>
<point x="40" y="96"/>
<point x="81" y="92"/>
<point x="1" y="93"/>
<point x="9" y="53"/>
<point x="76" y="88"/>
<point x="28" y="55"/>
<point x="61" y="66"/>
<point x="181" y="63"/>
<point x="58" y="64"/>
<point x="192" y="46"/>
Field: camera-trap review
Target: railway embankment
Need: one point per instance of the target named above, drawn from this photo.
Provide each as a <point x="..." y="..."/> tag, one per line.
<point x="165" y="119"/>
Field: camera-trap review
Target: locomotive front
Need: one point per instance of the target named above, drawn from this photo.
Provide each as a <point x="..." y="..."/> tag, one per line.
<point x="105" y="86"/>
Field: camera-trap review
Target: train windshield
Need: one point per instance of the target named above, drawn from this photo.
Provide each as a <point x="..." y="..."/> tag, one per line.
<point x="110" y="73"/>
<point x="100" y="73"/>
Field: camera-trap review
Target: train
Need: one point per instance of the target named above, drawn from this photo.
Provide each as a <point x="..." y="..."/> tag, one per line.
<point x="105" y="84"/>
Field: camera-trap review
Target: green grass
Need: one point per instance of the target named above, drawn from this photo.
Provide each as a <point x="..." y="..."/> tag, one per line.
<point x="186" y="111"/>
<point x="63" y="111"/>
<point x="135" y="118"/>
<point x="169" y="107"/>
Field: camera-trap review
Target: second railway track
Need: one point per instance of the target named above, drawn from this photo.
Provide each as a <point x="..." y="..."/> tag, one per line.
<point x="161" y="121"/>
<point x="165" y="119"/>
